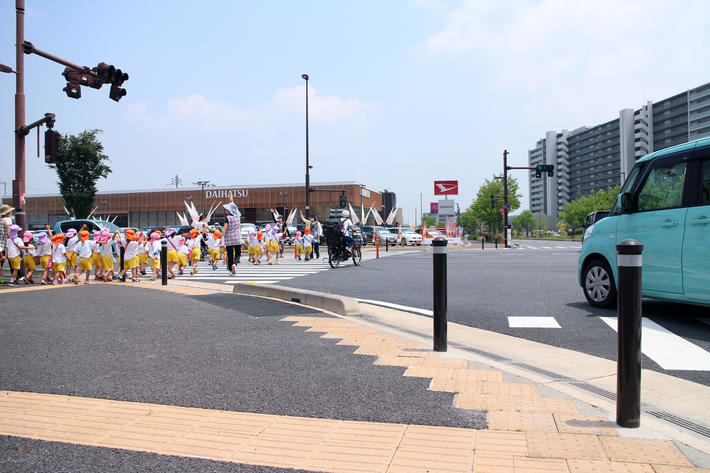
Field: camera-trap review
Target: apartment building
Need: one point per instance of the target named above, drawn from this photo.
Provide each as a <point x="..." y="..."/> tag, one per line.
<point x="591" y="158"/>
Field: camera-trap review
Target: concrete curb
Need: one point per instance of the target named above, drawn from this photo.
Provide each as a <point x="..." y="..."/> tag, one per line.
<point x="337" y="304"/>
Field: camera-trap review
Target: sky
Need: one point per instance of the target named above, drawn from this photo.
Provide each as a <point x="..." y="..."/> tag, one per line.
<point x="401" y="92"/>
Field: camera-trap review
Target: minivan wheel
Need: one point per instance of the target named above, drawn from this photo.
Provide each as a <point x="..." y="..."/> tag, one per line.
<point x="599" y="287"/>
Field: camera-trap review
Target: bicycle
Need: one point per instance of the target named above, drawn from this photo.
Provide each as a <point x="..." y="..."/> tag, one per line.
<point x="337" y="252"/>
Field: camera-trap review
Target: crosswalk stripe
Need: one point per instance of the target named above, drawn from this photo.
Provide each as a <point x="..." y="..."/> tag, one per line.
<point x="667" y="349"/>
<point x="532" y="322"/>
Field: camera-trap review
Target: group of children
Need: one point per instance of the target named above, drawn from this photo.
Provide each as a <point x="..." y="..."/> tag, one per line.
<point x="267" y="243"/>
<point x="67" y="257"/>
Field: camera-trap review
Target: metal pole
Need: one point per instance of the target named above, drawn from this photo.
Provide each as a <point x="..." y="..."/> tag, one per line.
<point x="308" y="176"/>
<point x="18" y="185"/>
<point x="628" y="368"/>
<point x="505" y="198"/>
<point x="483" y="242"/>
<point x="164" y="261"/>
<point x="440" y="289"/>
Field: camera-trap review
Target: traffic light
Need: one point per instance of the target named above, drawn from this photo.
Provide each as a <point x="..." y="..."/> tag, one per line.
<point x="108" y="74"/>
<point x="51" y="146"/>
<point x="73" y="90"/>
<point x="343" y="200"/>
<point x="548" y="168"/>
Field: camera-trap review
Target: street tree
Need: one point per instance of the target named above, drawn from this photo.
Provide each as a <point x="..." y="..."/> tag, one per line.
<point x="429" y="220"/>
<point x="79" y="164"/>
<point x="575" y="213"/>
<point x="480" y="209"/>
<point x="525" y="221"/>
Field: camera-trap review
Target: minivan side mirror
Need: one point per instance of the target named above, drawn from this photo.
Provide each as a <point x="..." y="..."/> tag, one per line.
<point x="627" y="202"/>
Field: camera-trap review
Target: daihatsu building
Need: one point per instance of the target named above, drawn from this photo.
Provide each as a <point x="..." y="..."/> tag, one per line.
<point x="140" y="208"/>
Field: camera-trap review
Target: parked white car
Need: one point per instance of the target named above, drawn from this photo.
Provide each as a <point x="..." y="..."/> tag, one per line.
<point x="411" y="237"/>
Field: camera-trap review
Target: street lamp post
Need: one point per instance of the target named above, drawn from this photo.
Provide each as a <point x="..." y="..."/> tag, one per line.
<point x="308" y="167"/>
<point x="284" y="196"/>
<point x="18" y="185"/>
<point x="202" y="184"/>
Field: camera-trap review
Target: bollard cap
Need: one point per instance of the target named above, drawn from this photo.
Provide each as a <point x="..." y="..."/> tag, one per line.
<point x="629" y="247"/>
<point x="439" y="241"/>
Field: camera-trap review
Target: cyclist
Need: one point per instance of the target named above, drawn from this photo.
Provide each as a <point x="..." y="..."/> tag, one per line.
<point x="347" y="228"/>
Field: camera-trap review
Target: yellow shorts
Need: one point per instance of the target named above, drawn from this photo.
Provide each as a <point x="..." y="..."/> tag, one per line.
<point x="183" y="259"/>
<point x="214" y="254"/>
<point x="273" y="246"/>
<point x="143" y="258"/>
<point x="172" y="256"/>
<point x="299" y="249"/>
<point x="58" y="267"/>
<point x="29" y="262"/>
<point x="96" y="259"/>
<point x="196" y="254"/>
<point x="309" y="250"/>
<point x="107" y="263"/>
<point x="15" y="262"/>
<point x="71" y="258"/>
<point x="85" y="264"/>
<point x="130" y="263"/>
<point x="155" y="262"/>
<point x="44" y="261"/>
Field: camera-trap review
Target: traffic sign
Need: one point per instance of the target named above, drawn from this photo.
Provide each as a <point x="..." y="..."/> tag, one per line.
<point x="507" y="206"/>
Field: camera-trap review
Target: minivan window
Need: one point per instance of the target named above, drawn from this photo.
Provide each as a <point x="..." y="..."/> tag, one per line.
<point x="663" y="188"/>
<point x="705" y="183"/>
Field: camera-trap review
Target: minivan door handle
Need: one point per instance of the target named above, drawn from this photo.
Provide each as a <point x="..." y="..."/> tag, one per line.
<point x="669" y="223"/>
<point x="700" y="220"/>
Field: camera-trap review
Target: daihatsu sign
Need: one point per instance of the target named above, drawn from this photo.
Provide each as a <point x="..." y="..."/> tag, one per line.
<point x="446" y="187"/>
<point x="223" y="193"/>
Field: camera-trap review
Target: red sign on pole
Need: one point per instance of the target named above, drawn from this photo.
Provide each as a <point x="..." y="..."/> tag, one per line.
<point x="446" y="187"/>
<point x="434" y="207"/>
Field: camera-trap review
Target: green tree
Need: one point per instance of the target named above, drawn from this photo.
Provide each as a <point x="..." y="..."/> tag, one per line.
<point x="429" y="220"/>
<point x="79" y="165"/>
<point x="525" y="221"/>
<point x="481" y="209"/>
<point x="575" y="213"/>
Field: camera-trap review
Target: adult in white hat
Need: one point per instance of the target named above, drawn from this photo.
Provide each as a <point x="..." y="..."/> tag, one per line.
<point x="232" y="234"/>
<point x="5" y="223"/>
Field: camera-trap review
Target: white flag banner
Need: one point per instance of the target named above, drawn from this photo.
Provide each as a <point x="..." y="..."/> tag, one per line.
<point x="182" y="219"/>
<point x="353" y="215"/>
<point x="367" y="215"/>
<point x="289" y="220"/>
<point x="378" y="218"/>
<point x="390" y="217"/>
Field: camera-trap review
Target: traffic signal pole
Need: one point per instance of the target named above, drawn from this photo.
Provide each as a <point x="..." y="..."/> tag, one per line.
<point x="539" y="169"/>
<point x="18" y="185"/>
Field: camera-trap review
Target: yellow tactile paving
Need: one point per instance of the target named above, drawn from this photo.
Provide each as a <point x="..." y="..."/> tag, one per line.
<point x="490" y="376"/>
<point x="493" y="463"/>
<point x="483" y="387"/>
<point x="662" y="452"/>
<point x="678" y="469"/>
<point x="441" y="449"/>
<point x="540" y="465"/>
<point x="570" y="446"/>
<point x="501" y="443"/>
<point x="411" y="361"/>
<point x="501" y="402"/>
<point x="590" y="466"/>
<point x="577" y="424"/>
<point x="523" y="421"/>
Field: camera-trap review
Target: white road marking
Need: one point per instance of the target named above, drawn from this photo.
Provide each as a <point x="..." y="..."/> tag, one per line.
<point x="667" y="349"/>
<point x="398" y="306"/>
<point x="533" y="322"/>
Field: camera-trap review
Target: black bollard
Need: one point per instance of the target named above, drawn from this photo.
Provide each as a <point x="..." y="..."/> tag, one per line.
<point x="440" y="297"/>
<point x="483" y="242"/>
<point x="387" y="245"/>
<point x="164" y="260"/>
<point x="628" y="368"/>
<point x="121" y="257"/>
<point x="496" y="243"/>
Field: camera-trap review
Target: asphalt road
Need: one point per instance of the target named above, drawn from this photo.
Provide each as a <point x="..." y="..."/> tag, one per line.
<point x="220" y="351"/>
<point x="487" y="287"/>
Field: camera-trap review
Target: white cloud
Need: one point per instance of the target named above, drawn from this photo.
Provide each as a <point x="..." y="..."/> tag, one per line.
<point x="600" y="55"/>
<point x="200" y="112"/>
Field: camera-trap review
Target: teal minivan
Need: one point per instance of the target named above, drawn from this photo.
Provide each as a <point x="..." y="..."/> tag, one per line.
<point x="665" y="205"/>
